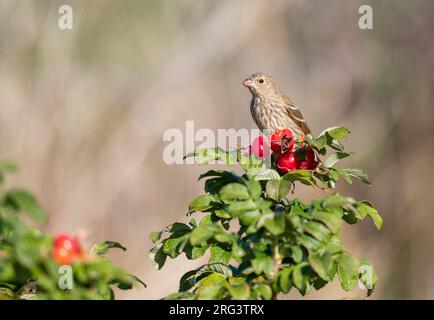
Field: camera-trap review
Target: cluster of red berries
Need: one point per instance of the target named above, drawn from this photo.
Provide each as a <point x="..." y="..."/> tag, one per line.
<point x="291" y="159"/>
<point x="66" y="249"/>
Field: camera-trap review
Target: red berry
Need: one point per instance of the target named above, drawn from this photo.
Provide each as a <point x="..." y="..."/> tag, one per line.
<point x="309" y="163"/>
<point x="65" y="249"/>
<point x="260" y="147"/>
<point x="287" y="161"/>
<point x="276" y="140"/>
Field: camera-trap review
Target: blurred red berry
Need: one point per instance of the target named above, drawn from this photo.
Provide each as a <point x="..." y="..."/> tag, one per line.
<point x="276" y="140"/>
<point x="65" y="249"/>
<point x="260" y="147"/>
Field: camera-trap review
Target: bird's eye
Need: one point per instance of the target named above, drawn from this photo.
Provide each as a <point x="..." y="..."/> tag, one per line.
<point x="261" y="80"/>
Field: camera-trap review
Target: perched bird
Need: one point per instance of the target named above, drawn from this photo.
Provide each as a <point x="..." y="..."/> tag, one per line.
<point x="271" y="109"/>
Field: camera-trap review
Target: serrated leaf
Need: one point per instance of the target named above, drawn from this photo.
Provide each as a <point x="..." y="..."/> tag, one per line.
<point x="157" y="256"/>
<point x="365" y="209"/>
<point x="267" y="174"/>
<point x="175" y="244"/>
<point x="303" y="176"/>
<point x="338" y="133"/>
<point x="219" y="255"/>
<point x="344" y="175"/>
<point x="358" y="174"/>
<point x="331" y="218"/>
<point x="202" y="203"/>
<point x="285" y="279"/>
<point x="254" y="188"/>
<point x="322" y="265"/>
<point x="348" y="271"/>
<point x="278" y="189"/>
<point x="203" y="233"/>
<point x="367" y="276"/>
<point x="248" y="218"/>
<point x="195" y="252"/>
<point x="262" y="264"/>
<point x="317" y="230"/>
<point x="299" y="278"/>
<point x="264" y="291"/>
<point x="296" y="254"/>
<point x="218" y="268"/>
<point x="335" y="157"/>
<point x="275" y="224"/>
<point x="103" y="247"/>
<point x="239" y="292"/>
<point x="238" y="207"/>
<point x="234" y="191"/>
<point x="319" y="143"/>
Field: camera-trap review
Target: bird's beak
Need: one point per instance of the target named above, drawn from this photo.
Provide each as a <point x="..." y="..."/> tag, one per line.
<point x="248" y="83"/>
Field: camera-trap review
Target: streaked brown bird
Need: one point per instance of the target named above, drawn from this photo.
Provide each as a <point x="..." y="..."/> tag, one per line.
<point x="271" y="109"/>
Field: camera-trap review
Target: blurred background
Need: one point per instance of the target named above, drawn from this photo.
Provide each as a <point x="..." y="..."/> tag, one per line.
<point x="83" y="113"/>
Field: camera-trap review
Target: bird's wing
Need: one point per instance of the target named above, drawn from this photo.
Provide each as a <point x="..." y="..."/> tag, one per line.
<point x="296" y="115"/>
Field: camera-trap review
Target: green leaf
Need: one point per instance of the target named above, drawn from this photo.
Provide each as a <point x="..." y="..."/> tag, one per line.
<point x="316" y="229"/>
<point x="248" y="218"/>
<point x="203" y="233"/>
<point x="219" y="268"/>
<point x="303" y="176"/>
<point x="238" y="207"/>
<point x="219" y="254"/>
<point x="239" y="292"/>
<point x="338" y="133"/>
<point x="278" y="189"/>
<point x="262" y="264"/>
<point x="267" y="174"/>
<point x="157" y="256"/>
<point x="319" y="143"/>
<point x="24" y="201"/>
<point x="309" y="242"/>
<point x="296" y="254"/>
<point x="175" y="244"/>
<point x="322" y="265"/>
<point x="358" y="174"/>
<point x="195" y="252"/>
<point x="264" y="291"/>
<point x="276" y="224"/>
<point x="299" y="278"/>
<point x="234" y="191"/>
<point x="202" y="203"/>
<point x="285" y="279"/>
<point x="206" y="156"/>
<point x="188" y="280"/>
<point x="177" y="226"/>
<point x="335" y="157"/>
<point x="331" y="218"/>
<point x="364" y="209"/>
<point x="254" y="188"/>
<point x="367" y="275"/>
<point x="103" y="247"/>
<point x="344" y="175"/>
<point x="348" y="271"/>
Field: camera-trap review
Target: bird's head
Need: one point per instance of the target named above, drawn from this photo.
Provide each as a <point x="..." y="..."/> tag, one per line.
<point x="261" y="85"/>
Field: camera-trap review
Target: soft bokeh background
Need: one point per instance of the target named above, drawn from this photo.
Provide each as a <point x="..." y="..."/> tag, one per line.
<point x="83" y="113"/>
